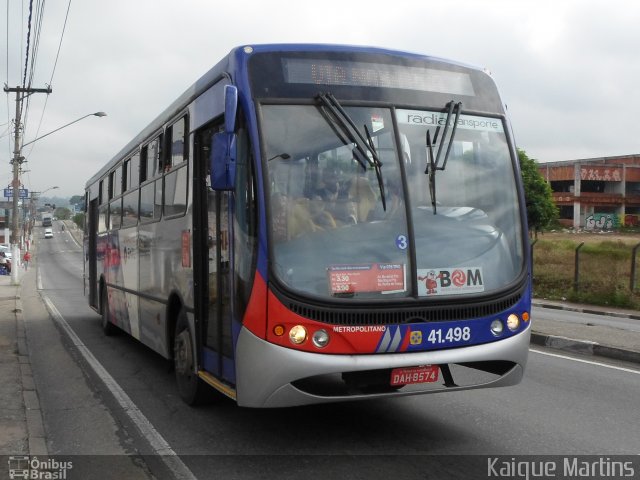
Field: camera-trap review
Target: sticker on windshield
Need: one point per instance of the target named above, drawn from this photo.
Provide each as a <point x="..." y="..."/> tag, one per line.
<point x="377" y="122"/>
<point x="421" y="118"/>
<point x="449" y="281"/>
<point x="369" y="278"/>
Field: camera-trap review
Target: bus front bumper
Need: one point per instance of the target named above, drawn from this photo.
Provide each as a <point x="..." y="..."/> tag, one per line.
<point x="270" y="376"/>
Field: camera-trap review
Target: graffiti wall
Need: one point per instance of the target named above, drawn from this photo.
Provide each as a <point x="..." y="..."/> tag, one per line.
<point x="610" y="221"/>
<point x="631" y="220"/>
<point x="602" y="221"/>
<point x="605" y="174"/>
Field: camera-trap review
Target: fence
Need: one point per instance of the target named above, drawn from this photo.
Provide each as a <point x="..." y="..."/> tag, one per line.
<point x="565" y="268"/>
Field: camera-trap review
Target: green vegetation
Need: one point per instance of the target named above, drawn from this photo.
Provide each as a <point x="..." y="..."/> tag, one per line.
<point x="604" y="270"/>
<point x="541" y="211"/>
<point x="78" y="219"/>
<point x="62" y="213"/>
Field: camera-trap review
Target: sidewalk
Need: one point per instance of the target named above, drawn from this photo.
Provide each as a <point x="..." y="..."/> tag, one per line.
<point x="21" y="426"/>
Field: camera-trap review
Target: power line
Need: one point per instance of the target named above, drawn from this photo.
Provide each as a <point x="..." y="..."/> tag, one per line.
<point x="36" y="39"/>
<point x="36" y="26"/>
<point x="55" y="64"/>
<point x="64" y="27"/>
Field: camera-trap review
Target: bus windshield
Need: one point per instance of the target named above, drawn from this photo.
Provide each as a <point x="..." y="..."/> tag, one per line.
<point x="343" y="226"/>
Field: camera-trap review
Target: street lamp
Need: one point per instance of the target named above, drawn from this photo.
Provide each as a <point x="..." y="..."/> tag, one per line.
<point x="46" y="190"/>
<point x="97" y="114"/>
<point x="17" y="161"/>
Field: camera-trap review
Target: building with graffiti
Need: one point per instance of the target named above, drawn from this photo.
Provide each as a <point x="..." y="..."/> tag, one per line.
<point x="596" y="193"/>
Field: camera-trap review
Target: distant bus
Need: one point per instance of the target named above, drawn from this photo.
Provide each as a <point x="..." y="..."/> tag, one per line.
<point x="46" y="220"/>
<point x="312" y="223"/>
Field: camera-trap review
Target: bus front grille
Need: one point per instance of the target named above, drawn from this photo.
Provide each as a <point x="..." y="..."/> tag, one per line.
<point x="387" y="316"/>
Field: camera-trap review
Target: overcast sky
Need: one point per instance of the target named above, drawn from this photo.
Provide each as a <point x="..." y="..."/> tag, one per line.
<point x="568" y="70"/>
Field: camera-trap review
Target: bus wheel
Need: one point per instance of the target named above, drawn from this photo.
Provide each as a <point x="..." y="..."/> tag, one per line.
<point x="190" y="387"/>
<point x="108" y="328"/>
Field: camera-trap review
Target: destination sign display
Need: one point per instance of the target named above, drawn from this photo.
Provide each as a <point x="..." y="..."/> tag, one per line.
<point x="381" y="75"/>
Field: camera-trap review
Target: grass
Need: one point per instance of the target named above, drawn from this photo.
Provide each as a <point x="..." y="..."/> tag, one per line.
<point x="604" y="269"/>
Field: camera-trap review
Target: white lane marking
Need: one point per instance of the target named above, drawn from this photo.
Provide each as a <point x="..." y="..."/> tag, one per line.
<point x="590" y="362"/>
<point x="157" y="442"/>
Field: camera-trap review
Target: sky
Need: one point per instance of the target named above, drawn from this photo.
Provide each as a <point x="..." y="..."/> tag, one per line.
<point x="568" y="70"/>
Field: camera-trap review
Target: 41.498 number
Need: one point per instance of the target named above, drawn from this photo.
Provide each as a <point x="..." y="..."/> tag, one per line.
<point x="449" y="335"/>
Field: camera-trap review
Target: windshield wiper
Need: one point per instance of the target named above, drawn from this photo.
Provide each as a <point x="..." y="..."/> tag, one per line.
<point x="433" y="162"/>
<point x="335" y="114"/>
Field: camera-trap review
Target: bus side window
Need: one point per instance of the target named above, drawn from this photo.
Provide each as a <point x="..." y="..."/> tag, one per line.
<point x="135" y="171"/>
<point x="175" y="191"/>
<point x="147" y="198"/>
<point x="176" y="144"/>
<point x="144" y="154"/>
<point x="154" y="157"/>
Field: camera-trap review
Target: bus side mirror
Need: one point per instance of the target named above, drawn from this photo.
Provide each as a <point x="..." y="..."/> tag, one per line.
<point x="230" y="108"/>
<point x="223" y="147"/>
<point x="223" y="161"/>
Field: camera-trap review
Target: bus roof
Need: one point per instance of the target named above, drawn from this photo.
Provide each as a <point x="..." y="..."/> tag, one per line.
<point x="225" y="68"/>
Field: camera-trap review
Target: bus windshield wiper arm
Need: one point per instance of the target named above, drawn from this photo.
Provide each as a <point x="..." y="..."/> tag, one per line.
<point x="433" y="162"/>
<point x="377" y="165"/>
<point x="363" y="146"/>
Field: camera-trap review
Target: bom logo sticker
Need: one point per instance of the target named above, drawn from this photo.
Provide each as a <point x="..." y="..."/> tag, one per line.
<point x="450" y="281"/>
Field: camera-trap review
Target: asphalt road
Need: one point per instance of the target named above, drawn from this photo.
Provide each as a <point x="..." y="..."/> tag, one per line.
<point x="564" y="406"/>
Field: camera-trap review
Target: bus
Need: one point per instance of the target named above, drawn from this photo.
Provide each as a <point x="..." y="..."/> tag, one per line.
<point x="319" y="223"/>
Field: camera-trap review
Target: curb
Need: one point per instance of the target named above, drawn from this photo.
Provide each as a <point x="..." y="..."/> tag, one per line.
<point x="584" y="347"/>
<point x="591" y="311"/>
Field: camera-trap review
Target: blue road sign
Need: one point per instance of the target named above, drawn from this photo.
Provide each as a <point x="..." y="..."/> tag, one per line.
<point x="22" y="193"/>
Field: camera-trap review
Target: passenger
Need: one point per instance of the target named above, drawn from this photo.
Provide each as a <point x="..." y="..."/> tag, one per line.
<point x="320" y="216"/>
<point x="329" y="186"/>
<point x="291" y="217"/>
<point x="331" y="203"/>
<point x="363" y="196"/>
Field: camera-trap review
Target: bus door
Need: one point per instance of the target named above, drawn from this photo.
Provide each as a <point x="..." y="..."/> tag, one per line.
<point x="90" y="254"/>
<point x="219" y="317"/>
<point x="215" y="264"/>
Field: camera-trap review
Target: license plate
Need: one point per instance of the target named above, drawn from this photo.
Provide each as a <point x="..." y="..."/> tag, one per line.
<point x="410" y="375"/>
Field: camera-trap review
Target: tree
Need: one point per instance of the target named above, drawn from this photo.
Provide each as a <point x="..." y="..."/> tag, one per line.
<point x="76" y="199"/>
<point x="78" y="219"/>
<point x="63" y="213"/>
<point x="541" y="211"/>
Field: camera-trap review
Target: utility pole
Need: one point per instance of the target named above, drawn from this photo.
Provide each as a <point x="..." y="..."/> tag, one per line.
<point x="17" y="161"/>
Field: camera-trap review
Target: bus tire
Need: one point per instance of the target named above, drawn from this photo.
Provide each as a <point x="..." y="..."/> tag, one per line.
<point x="190" y="387"/>
<point x="108" y="328"/>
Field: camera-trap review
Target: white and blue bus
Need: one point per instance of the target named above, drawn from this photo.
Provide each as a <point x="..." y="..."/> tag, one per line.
<point x="314" y="223"/>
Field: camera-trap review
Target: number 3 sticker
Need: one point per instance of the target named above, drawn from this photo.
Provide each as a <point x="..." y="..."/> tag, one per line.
<point x="401" y="242"/>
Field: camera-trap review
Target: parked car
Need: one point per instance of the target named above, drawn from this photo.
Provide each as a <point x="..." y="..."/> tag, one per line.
<point x="6" y="249"/>
<point x="48" y="233"/>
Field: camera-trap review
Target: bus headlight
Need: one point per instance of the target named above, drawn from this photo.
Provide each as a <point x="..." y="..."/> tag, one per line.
<point x="497" y="327"/>
<point x="298" y="334"/>
<point x="513" y="322"/>
<point x="320" y="338"/>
